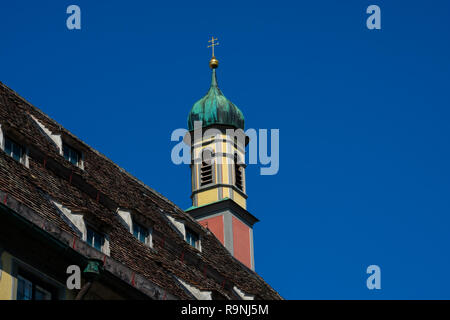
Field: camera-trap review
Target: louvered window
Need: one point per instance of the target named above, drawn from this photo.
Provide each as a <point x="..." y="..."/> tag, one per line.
<point x="238" y="174"/>
<point x="206" y="174"/>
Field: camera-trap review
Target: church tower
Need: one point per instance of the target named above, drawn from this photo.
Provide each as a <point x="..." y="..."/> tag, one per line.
<point x="219" y="199"/>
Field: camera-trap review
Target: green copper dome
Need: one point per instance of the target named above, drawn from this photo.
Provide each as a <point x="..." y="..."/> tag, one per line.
<point x="214" y="108"/>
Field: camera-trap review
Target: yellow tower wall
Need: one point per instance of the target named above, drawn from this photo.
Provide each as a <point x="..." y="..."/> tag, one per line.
<point x="223" y="180"/>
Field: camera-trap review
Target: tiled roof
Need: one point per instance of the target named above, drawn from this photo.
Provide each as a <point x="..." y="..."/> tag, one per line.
<point x="98" y="190"/>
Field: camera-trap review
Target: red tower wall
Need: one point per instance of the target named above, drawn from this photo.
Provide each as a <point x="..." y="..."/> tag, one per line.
<point x="241" y="242"/>
<point x="215" y="225"/>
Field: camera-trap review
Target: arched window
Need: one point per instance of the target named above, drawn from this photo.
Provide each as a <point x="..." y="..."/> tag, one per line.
<point x="238" y="173"/>
<point x="206" y="168"/>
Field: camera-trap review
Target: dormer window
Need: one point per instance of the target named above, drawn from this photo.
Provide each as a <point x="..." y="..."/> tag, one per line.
<point x="137" y="225"/>
<point x="192" y="238"/>
<point x="141" y="233"/>
<point x="14" y="150"/>
<point x="72" y="155"/>
<point x="95" y="239"/>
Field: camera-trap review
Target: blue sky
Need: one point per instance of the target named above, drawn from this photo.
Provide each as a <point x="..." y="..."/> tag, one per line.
<point x="363" y="118"/>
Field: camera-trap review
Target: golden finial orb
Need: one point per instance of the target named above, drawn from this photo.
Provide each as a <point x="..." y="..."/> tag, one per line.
<point x="213" y="63"/>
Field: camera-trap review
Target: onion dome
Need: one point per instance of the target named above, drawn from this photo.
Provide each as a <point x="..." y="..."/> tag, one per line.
<point x="214" y="108"/>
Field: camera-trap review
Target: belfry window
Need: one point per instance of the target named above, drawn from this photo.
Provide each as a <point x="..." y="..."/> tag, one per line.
<point x="206" y="168"/>
<point x="206" y="174"/>
<point x="238" y="168"/>
<point x="71" y="155"/>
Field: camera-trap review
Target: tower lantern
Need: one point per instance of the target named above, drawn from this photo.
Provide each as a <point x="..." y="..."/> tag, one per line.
<point x="219" y="199"/>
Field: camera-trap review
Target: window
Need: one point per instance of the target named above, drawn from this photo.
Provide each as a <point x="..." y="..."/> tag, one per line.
<point x="29" y="289"/>
<point x="140" y="232"/>
<point x="95" y="239"/>
<point x="24" y="289"/>
<point x="14" y="150"/>
<point x="205" y="174"/>
<point x="238" y="173"/>
<point x="71" y="155"/>
<point x="192" y="238"/>
<point x="206" y="167"/>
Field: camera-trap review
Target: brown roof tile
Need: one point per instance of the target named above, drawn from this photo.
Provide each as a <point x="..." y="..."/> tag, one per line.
<point x="98" y="191"/>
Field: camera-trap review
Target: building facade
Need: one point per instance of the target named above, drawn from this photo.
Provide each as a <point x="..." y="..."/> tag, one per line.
<point x="63" y="204"/>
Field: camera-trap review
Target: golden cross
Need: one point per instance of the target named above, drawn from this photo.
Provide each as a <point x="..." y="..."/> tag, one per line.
<point x="213" y="44"/>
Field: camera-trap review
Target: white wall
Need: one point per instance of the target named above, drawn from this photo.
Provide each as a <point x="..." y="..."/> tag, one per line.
<point x="198" y="294"/>
<point x="243" y="295"/>
<point x="125" y="219"/>
<point x="78" y="223"/>
<point x="56" y="138"/>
